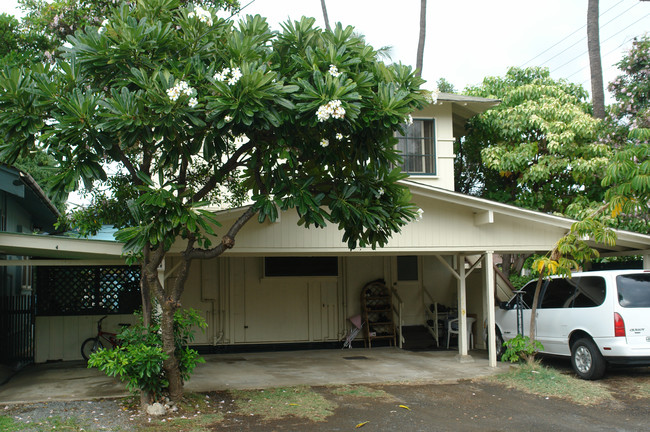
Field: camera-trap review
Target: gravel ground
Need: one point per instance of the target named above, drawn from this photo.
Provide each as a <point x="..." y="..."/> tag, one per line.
<point x="96" y="415"/>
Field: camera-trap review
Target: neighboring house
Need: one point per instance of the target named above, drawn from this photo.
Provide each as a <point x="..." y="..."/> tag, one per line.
<point x="24" y="208"/>
<point x="284" y="284"/>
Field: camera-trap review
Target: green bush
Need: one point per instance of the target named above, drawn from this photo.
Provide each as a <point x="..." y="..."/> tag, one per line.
<point x="521" y="348"/>
<point x="138" y="360"/>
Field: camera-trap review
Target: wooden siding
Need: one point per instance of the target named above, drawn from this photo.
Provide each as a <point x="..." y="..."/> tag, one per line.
<point x="60" y="337"/>
<point x="445" y="228"/>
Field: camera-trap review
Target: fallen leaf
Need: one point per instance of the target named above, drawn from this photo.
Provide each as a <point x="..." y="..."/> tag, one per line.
<point x="405" y="407"/>
<point x="361" y="424"/>
<point x="294" y="404"/>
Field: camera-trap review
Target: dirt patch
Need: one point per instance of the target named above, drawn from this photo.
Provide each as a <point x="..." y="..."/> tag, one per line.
<point x="481" y="405"/>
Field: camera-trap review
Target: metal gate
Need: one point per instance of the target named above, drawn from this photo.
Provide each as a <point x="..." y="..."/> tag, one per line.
<point x="17" y="330"/>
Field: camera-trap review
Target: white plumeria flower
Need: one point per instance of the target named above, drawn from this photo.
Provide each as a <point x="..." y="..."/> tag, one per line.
<point x="173" y="94"/>
<point x="236" y="73"/>
<point x="339" y="136"/>
<point x="330" y="109"/>
<point x="324" y="142"/>
<point x="193" y="102"/>
<point x="282" y="161"/>
<point x="380" y="193"/>
<point x="182" y="87"/>
<point x="227" y="119"/>
<point x="334" y="71"/>
<point x="409" y="120"/>
<point x="223" y="75"/>
<point x="102" y="28"/>
<point x="420" y="212"/>
<point x="203" y="15"/>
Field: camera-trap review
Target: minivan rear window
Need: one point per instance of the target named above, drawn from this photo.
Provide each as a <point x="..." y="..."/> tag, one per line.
<point x="634" y="290"/>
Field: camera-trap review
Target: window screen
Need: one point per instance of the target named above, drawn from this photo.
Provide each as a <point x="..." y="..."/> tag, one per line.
<point x="407" y="268"/>
<point x="417" y="148"/>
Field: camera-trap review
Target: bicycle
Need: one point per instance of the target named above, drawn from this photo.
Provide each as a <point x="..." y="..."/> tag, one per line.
<point x="94" y="344"/>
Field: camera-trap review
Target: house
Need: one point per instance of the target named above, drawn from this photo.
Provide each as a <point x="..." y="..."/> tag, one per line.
<point x="284" y="284"/>
<point x="24" y="208"/>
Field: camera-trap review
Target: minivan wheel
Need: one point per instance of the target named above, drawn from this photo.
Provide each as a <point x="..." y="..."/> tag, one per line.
<point x="586" y="359"/>
<point x="499" y="344"/>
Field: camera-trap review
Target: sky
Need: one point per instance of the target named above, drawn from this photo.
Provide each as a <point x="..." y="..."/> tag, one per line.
<point x="467" y="40"/>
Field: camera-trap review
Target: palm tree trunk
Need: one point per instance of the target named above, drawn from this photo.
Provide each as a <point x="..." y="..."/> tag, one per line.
<point x="593" y="43"/>
<point x="327" y="20"/>
<point x="422" y="37"/>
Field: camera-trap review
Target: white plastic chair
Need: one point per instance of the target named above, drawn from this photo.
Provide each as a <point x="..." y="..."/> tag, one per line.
<point x="452" y="328"/>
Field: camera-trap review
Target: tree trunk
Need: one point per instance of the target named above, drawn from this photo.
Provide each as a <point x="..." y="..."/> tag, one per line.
<point x="593" y="44"/>
<point x="325" y="17"/>
<point x="170" y="365"/>
<point x="423" y="30"/>
<point x="533" y="307"/>
<point x="145" y="293"/>
<point x="506" y="259"/>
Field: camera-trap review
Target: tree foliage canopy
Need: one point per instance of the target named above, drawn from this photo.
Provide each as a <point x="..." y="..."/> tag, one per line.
<point x="628" y="176"/>
<point x="167" y="95"/>
<point x="538" y="148"/>
<point x="193" y="109"/>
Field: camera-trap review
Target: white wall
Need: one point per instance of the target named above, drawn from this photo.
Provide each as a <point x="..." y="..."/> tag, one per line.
<point x="60" y="337"/>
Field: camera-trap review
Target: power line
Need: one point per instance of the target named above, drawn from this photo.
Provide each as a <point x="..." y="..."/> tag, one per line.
<point x="585" y="52"/>
<point x="626" y="41"/>
<point x="568" y="36"/>
<point x="585" y="37"/>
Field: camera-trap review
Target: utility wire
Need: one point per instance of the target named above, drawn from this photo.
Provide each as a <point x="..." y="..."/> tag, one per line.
<point x="585" y="37"/>
<point x="585" y="52"/>
<point x="568" y="36"/>
<point x="626" y="41"/>
<point x="242" y="8"/>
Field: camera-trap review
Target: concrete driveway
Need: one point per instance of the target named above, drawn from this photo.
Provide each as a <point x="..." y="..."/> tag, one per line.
<point x="74" y="381"/>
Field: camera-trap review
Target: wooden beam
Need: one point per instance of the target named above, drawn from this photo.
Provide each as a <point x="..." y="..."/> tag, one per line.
<point x="484" y="218"/>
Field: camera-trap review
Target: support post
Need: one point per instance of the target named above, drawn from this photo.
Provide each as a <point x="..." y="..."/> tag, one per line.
<point x="489" y="297"/>
<point x="462" y="311"/>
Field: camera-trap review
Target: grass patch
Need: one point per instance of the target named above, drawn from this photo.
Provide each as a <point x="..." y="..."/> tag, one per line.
<point x="200" y="423"/>
<point x="541" y="380"/>
<point x="643" y="389"/>
<point x="360" y="392"/>
<point x="46" y="425"/>
<point x="277" y="403"/>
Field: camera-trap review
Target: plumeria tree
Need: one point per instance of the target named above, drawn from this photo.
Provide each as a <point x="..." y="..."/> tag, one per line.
<point x="194" y="109"/>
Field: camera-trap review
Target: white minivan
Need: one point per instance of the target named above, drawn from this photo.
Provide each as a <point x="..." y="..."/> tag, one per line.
<point x="596" y="318"/>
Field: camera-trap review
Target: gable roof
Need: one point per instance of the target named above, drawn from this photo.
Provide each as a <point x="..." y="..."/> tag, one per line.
<point x="465" y="107"/>
<point x="452" y="223"/>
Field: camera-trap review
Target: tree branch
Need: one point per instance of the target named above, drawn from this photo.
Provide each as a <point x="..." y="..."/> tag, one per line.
<point x="230" y="165"/>
<point x="227" y="241"/>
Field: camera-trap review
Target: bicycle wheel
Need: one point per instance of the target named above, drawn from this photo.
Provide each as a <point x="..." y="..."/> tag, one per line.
<point x="90" y="346"/>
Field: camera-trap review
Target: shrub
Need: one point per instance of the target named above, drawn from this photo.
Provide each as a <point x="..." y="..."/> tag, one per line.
<point x="521" y="348"/>
<point x="138" y="360"/>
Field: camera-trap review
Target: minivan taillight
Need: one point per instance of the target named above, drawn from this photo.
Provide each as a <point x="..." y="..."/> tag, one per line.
<point x="619" y="325"/>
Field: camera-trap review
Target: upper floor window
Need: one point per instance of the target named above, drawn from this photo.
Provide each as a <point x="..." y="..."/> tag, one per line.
<point x="418" y="147"/>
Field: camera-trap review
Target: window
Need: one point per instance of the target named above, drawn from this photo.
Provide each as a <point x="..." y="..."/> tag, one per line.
<point x="590" y="292"/>
<point x="559" y="293"/>
<point x="417" y="148"/>
<point x="634" y="290"/>
<point x="301" y="266"/>
<point x="407" y="268"/>
<point x="527" y="296"/>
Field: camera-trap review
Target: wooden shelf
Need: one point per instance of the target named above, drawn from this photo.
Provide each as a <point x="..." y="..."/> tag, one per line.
<point x="377" y="311"/>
